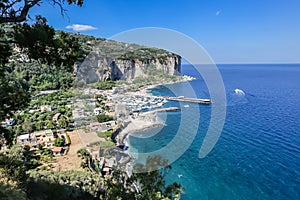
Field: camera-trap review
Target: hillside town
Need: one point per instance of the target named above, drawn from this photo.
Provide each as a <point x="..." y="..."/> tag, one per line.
<point x="117" y="110"/>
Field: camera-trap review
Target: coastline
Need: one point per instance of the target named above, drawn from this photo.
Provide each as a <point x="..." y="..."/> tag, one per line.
<point x="144" y="90"/>
<point x="141" y="123"/>
<point x="133" y="126"/>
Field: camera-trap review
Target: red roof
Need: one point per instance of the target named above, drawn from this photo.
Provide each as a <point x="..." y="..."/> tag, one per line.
<point x="57" y="149"/>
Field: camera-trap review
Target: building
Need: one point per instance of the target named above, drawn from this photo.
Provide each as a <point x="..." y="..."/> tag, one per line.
<point x="58" y="151"/>
<point x="45" y="138"/>
<point x="8" y="122"/>
<point x="27" y="139"/>
<point x="96" y="126"/>
<point x="101" y="127"/>
<point x="46" y="108"/>
<point x="98" y="111"/>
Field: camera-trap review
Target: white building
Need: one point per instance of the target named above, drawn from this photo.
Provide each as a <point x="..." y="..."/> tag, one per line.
<point x="98" y="111"/>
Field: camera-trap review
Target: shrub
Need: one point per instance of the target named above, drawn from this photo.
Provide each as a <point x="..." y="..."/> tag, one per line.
<point x="107" y="134"/>
<point x="59" y="142"/>
<point x="105" y="85"/>
<point x="104" y="118"/>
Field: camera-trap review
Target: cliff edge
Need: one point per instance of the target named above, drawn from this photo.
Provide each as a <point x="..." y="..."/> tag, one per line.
<point x="111" y="60"/>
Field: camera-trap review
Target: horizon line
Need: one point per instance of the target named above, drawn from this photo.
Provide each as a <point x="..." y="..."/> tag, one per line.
<point x="242" y="63"/>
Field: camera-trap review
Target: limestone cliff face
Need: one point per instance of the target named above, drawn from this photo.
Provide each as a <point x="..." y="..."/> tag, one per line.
<point x="130" y="69"/>
<point x="96" y="67"/>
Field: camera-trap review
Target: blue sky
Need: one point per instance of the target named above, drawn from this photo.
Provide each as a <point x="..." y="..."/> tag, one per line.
<point x="231" y="31"/>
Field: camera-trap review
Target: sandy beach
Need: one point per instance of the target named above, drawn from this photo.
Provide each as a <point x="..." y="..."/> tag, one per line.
<point x="136" y="125"/>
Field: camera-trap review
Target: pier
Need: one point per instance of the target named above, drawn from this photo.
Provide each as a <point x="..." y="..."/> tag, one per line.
<point x="169" y="109"/>
<point x="190" y="100"/>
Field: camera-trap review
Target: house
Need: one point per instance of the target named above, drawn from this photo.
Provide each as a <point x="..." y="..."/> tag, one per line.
<point x="79" y="113"/>
<point x="45" y="138"/>
<point x="106" y="170"/>
<point x="28" y="139"/>
<point x="8" y="122"/>
<point x="105" y="126"/>
<point x="98" y="111"/>
<point x="96" y="126"/>
<point x="23" y="138"/>
<point x="57" y="151"/>
<point x="46" y="108"/>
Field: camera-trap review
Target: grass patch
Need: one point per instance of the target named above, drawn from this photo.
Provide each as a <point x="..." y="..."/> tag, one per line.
<point x="105" y="134"/>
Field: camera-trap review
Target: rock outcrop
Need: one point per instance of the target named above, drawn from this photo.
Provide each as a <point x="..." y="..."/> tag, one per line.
<point x="127" y="65"/>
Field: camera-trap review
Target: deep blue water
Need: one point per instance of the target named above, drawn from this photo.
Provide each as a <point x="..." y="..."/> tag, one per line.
<point x="258" y="153"/>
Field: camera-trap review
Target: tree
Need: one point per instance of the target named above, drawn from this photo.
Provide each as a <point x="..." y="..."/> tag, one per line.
<point x="83" y="153"/>
<point x="28" y="126"/>
<point x="62" y="122"/>
<point x="35" y="39"/>
<point x="49" y="124"/>
<point x="86" y="157"/>
<point x="12" y="165"/>
<point x="147" y="183"/>
<point x="105" y="85"/>
<point x="46" y="155"/>
<point x="39" y="125"/>
<point x="12" y="11"/>
<point x="59" y="142"/>
<point x="14" y="94"/>
<point x="104" y="118"/>
<point x="41" y="42"/>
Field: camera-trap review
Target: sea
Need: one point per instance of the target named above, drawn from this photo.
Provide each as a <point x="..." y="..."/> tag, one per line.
<point x="257" y="155"/>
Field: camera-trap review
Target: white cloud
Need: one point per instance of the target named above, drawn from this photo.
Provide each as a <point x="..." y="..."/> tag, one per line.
<point x="218" y="13"/>
<point x="80" y="27"/>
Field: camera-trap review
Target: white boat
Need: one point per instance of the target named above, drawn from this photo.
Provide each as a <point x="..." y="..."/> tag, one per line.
<point x="239" y="92"/>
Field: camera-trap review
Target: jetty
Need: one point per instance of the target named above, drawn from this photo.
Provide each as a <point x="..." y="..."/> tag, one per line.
<point x="169" y="109"/>
<point x="190" y="100"/>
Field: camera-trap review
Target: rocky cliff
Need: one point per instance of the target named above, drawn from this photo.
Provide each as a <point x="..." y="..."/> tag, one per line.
<point x="111" y="60"/>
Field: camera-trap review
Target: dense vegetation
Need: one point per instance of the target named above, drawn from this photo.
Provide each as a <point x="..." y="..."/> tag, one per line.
<point x="16" y="182"/>
<point x="145" y="54"/>
<point x="105" y="85"/>
<point x="34" y="119"/>
<point x="43" y="58"/>
<point x="104" y="118"/>
<point x="149" y="178"/>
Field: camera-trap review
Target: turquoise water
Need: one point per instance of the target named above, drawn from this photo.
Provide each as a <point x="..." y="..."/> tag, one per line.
<point x="258" y="153"/>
